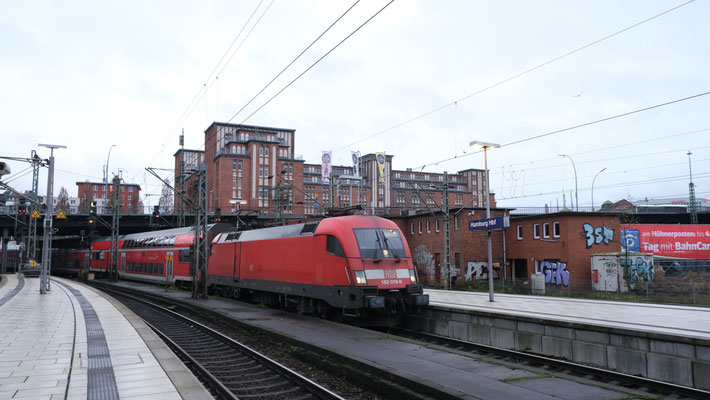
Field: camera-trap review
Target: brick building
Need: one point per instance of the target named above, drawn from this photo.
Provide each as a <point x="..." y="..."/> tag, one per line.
<point x="102" y="194"/>
<point x="255" y="168"/>
<point x="425" y="235"/>
<point x="560" y="245"/>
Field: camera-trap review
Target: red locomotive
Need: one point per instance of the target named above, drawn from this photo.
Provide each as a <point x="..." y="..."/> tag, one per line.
<point x="359" y="267"/>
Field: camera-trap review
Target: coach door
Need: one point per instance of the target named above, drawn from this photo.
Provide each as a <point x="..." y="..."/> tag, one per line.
<point x="123" y="262"/>
<point x="169" y="266"/>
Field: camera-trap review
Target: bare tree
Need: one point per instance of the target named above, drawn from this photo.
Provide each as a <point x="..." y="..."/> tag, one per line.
<point x="84" y="200"/>
<point x="166" y="200"/>
<point x="63" y="201"/>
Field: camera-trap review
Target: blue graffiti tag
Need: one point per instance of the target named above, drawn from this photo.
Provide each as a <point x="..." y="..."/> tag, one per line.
<point x="638" y="270"/>
<point x="598" y="235"/>
<point x="555" y="273"/>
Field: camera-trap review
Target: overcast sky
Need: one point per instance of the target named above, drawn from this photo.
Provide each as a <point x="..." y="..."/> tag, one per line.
<point x="89" y="74"/>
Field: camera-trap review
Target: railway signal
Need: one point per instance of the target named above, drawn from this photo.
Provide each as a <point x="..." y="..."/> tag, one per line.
<point x="92" y="209"/>
<point x="217" y="215"/>
<point x="156" y="212"/>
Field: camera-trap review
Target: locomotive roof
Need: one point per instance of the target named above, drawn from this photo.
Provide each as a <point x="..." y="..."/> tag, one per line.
<point x="307" y="229"/>
<point x="276" y="232"/>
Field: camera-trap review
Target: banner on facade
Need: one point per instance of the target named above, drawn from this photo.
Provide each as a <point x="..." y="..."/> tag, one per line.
<point x="381" y="166"/>
<point x="671" y="241"/>
<point x="356" y="162"/>
<point x="325" y="167"/>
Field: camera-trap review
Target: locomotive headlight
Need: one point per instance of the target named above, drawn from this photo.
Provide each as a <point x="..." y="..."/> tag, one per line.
<point x="360" y="278"/>
<point x="412" y="276"/>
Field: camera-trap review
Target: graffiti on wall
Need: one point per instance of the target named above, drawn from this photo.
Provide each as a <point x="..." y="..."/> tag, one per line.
<point x="639" y="271"/>
<point x="423" y="258"/>
<point x="555" y="273"/>
<point x="598" y="235"/>
<point x="479" y="270"/>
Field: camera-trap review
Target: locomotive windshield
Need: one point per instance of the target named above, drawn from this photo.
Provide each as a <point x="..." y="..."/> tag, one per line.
<point x="379" y="243"/>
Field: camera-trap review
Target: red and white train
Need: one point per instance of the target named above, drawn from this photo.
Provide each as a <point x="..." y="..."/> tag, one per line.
<point x="357" y="266"/>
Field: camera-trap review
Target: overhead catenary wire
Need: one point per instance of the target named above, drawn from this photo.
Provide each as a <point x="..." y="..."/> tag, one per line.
<point x="294" y="60"/>
<point x="525" y="72"/>
<point x="200" y="93"/>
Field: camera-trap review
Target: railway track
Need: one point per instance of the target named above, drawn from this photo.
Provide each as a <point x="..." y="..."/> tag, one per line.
<point x="553" y="365"/>
<point x="231" y="369"/>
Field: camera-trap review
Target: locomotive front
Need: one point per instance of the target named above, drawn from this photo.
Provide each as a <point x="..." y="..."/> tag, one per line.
<point x="379" y="262"/>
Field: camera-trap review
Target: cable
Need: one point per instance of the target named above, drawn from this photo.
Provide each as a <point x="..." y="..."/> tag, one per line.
<point x="293" y="61"/>
<point x="195" y="100"/>
<point x="574" y="127"/>
<point x="516" y="76"/>
<point x="317" y="61"/>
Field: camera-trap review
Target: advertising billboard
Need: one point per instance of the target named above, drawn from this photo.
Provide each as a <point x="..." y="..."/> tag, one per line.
<point x="690" y="242"/>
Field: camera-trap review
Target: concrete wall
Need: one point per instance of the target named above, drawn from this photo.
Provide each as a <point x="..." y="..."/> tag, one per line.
<point x="679" y="360"/>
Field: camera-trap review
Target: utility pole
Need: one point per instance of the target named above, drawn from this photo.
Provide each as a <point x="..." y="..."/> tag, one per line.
<point x="447" y="232"/>
<point x="200" y="256"/>
<point x="32" y="237"/>
<point x="113" y="275"/>
<point x="691" y="196"/>
<point x="181" y="183"/>
<point x="49" y="218"/>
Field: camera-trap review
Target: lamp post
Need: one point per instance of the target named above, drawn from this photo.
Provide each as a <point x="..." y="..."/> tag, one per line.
<point x="595" y="178"/>
<point x="486" y="146"/>
<point x="576" y="198"/>
<point x="47" y="235"/>
<point x="108" y="158"/>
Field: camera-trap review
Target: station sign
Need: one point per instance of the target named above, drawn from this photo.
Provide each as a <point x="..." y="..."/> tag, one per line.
<point x="488" y="224"/>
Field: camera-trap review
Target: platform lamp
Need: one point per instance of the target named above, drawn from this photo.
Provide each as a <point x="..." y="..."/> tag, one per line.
<point x="485" y="146"/>
<point x="239" y="203"/>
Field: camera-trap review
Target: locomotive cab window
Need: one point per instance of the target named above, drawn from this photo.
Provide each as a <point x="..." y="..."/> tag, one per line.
<point x="379" y="243"/>
<point x="333" y="246"/>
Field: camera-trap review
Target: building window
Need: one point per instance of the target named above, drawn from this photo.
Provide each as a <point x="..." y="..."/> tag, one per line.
<point x="428" y="226"/>
<point x="240" y="165"/>
<point x="103" y="195"/>
<point x="546" y="230"/>
<point x="96" y="187"/>
<point x="456" y="222"/>
<point x="130" y="197"/>
<point x="536" y="231"/>
<point x="436" y="225"/>
<point x="411" y="228"/>
<point x="420" y="227"/>
<point x="556" y="229"/>
<point x="520" y="232"/>
<point x="130" y="189"/>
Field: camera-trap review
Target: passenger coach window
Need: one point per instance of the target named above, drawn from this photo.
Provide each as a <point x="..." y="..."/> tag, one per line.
<point x="333" y="246"/>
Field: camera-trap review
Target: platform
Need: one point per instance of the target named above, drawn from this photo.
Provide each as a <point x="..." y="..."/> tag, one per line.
<point x="455" y="373"/>
<point x="77" y="343"/>
<point x="662" y="319"/>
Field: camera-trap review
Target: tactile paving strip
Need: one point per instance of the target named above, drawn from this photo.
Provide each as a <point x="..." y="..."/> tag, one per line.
<point x="13" y="292"/>
<point x="101" y="379"/>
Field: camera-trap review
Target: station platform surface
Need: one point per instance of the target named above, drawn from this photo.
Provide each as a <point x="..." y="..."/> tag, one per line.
<point x="456" y="373"/>
<point x="684" y="321"/>
<point x="76" y="343"/>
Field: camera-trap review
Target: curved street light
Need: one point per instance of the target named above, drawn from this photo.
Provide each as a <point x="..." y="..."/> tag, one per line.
<point x="576" y="198"/>
<point x="108" y="158"/>
<point x="595" y="178"/>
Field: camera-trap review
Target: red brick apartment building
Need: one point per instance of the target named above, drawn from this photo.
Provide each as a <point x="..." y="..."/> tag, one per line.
<point x="247" y="166"/>
<point x="102" y="194"/>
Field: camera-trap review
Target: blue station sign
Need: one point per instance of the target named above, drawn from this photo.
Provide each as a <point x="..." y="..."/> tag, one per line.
<point x="489" y="224"/>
